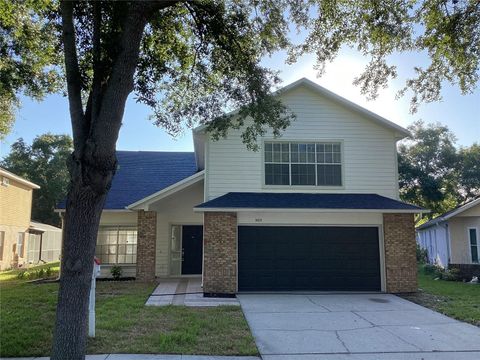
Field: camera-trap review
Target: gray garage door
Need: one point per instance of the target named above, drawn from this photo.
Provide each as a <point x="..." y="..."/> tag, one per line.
<point x="292" y="258"/>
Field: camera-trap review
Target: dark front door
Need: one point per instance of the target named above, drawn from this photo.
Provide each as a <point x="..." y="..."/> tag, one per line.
<point x="192" y="238"/>
<point x="286" y="258"/>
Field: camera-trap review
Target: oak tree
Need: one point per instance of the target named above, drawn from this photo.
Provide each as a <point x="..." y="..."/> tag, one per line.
<point x="191" y="61"/>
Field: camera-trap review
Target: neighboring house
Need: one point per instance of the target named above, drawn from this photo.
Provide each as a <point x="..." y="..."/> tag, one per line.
<point x="15" y="212"/>
<point x="315" y="209"/>
<point x="454" y="237"/>
<point x="44" y="243"/>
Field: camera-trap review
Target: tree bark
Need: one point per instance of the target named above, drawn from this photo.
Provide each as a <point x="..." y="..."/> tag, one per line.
<point x="92" y="167"/>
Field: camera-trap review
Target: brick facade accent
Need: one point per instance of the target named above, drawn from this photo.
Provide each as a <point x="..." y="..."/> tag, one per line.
<point x="400" y="253"/>
<point x="146" y="240"/>
<point x="220" y="253"/>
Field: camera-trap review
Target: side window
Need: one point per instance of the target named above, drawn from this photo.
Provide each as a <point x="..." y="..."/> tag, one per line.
<point x="20" y="244"/>
<point x="472" y="234"/>
<point x="2" y="244"/>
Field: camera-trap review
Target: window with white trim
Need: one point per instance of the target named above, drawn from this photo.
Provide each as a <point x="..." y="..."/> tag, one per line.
<point x="20" y="244"/>
<point x="303" y="163"/>
<point x="472" y="234"/>
<point x="117" y="245"/>
<point x="2" y="244"/>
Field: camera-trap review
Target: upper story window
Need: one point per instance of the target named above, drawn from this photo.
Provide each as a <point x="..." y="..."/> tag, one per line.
<point x="297" y="163"/>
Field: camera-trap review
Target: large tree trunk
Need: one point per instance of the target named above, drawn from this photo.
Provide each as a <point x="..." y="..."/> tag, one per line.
<point x="92" y="166"/>
<point x="84" y="207"/>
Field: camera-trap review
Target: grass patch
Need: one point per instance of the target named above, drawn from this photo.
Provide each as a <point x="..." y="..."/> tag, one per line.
<point x="124" y="323"/>
<point x="10" y="275"/>
<point x="455" y="299"/>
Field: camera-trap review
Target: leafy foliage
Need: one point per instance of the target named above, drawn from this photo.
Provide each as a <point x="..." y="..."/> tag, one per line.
<point x="116" y="272"/>
<point x="469" y="170"/>
<point x="44" y="163"/>
<point x="433" y="173"/>
<point x="29" y="54"/>
<point x="199" y="59"/>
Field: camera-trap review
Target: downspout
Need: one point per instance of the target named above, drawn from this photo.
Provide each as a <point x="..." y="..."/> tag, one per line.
<point x="40" y="250"/>
<point x="447" y="233"/>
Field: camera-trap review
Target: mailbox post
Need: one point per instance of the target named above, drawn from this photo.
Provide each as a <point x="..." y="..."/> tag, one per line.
<point x="91" y="305"/>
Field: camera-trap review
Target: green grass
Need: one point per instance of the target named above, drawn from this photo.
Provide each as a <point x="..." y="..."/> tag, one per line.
<point x="455" y="299"/>
<point x="9" y="275"/>
<point x="124" y="323"/>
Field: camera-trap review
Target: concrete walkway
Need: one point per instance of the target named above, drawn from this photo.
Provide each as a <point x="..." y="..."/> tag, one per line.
<point x="149" y="357"/>
<point x="184" y="291"/>
<point x="354" y="326"/>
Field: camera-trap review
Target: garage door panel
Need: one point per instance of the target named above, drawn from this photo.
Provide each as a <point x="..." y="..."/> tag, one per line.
<point x="308" y="258"/>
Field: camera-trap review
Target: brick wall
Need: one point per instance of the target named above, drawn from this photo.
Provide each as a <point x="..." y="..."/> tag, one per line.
<point x="400" y="256"/>
<point x="220" y="253"/>
<point x="146" y="240"/>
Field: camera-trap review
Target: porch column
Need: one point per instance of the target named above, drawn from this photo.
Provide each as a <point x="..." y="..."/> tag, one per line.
<point x="219" y="253"/>
<point x="146" y="240"/>
<point x="400" y="253"/>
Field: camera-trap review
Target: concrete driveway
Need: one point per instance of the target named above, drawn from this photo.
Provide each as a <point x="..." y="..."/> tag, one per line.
<point x="355" y="326"/>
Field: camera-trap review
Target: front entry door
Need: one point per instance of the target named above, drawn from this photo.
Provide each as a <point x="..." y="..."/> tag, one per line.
<point x="192" y="249"/>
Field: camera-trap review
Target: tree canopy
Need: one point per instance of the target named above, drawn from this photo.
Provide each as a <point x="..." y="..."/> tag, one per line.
<point x="198" y="59"/>
<point x="44" y="162"/>
<point x="433" y="173"/>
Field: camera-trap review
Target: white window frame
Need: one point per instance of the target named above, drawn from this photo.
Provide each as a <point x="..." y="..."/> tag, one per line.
<point x="470" y="244"/>
<point x="304" y="141"/>
<point x="2" y="244"/>
<point x="117" y="229"/>
<point x="21" y="236"/>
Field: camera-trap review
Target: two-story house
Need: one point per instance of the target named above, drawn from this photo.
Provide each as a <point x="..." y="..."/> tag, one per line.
<point x="15" y="211"/>
<point x="315" y="209"/>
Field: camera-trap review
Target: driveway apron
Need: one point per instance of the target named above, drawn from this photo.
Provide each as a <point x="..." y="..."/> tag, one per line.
<point x="354" y="326"/>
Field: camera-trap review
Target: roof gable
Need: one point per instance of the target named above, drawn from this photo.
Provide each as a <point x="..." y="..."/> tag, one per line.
<point x="399" y="131"/>
<point x="347" y="104"/>
<point x="451" y="213"/>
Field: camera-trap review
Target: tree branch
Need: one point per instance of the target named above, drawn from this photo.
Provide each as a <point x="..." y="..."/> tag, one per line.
<point x="74" y="85"/>
<point x="97" y="66"/>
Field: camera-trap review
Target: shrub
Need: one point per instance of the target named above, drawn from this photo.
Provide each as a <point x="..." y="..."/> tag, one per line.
<point x="40" y="274"/>
<point x="429" y="269"/>
<point x="116" y="272"/>
<point x="48" y="272"/>
<point x="450" y="275"/>
<point x="21" y="275"/>
<point x="422" y="255"/>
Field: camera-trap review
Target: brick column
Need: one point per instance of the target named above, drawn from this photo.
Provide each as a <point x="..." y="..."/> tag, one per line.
<point x="400" y="253"/>
<point x="220" y="253"/>
<point x="146" y="241"/>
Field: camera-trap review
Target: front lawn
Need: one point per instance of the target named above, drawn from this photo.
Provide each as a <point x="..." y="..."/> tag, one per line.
<point x="455" y="299"/>
<point x="124" y="324"/>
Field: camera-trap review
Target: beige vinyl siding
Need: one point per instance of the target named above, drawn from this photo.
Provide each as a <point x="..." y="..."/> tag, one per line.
<point x="309" y="218"/>
<point x="176" y="209"/>
<point x="459" y="239"/>
<point x="123" y="218"/>
<point x="369" y="152"/>
<point x="15" y="212"/>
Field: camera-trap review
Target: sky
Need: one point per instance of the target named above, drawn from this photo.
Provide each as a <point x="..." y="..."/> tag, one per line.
<point x="460" y="113"/>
